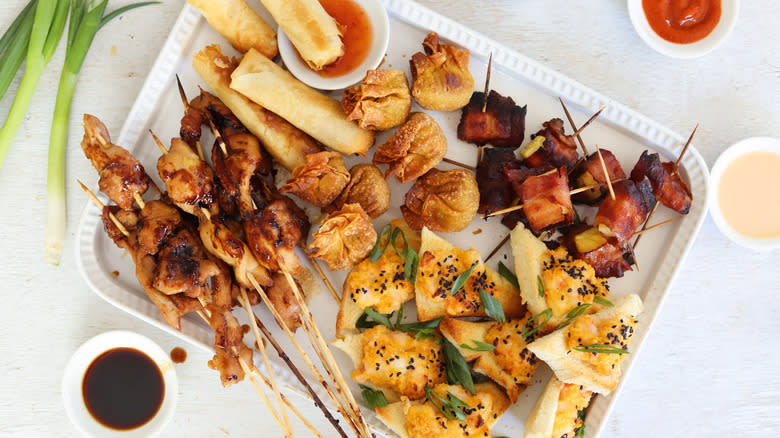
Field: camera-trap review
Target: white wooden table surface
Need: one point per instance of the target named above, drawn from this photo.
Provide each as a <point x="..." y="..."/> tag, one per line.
<point x="710" y="367"/>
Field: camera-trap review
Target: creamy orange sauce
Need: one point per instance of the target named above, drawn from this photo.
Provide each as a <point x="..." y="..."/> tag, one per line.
<point x="682" y="21"/>
<point x="748" y="194"/>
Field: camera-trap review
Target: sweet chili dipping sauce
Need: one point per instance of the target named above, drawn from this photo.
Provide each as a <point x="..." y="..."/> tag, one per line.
<point x="123" y="388"/>
<point x="356" y="34"/>
<point x="682" y="21"/>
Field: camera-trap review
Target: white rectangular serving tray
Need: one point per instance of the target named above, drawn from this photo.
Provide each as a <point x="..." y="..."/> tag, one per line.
<point x="620" y="129"/>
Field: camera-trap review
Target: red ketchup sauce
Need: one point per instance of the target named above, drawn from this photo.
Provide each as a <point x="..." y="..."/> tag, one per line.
<point x="682" y="21"/>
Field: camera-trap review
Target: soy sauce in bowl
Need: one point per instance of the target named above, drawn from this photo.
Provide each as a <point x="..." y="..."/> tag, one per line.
<point x="123" y="388"/>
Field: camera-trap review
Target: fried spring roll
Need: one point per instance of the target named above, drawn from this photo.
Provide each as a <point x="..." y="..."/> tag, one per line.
<point x="313" y="32"/>
<point x="239" y="24"/>
<point x="286" y="143"/>
<point x="320" y="116"/>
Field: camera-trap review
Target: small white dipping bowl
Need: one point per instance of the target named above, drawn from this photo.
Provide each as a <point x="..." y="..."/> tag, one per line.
<point x="380" y="23"/>
<point x="737" y="150"/>
<point x="74" y="377"/>
<point x="728" y="18"/>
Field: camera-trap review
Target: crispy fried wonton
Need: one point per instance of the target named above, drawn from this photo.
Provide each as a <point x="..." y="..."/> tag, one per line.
<point x="382" y="101"/>
<point x="442" y="201"/>
<point x="418" y="146"/>
<point x="319" y="180"/>
<point x="440" y="77"/>
<point x="344" y="239"/>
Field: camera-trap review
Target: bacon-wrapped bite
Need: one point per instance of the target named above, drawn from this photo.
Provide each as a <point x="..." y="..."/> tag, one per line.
<point x="344" y="239"/>
<point x="382" y="101"/>
<point x="319" y="180"/>
<point x="502" y="124"/>
<point x="275" y="231"/>
<point x="546" y="200"/>
<point x="441" y="79"/>
<point x="557" y="149"/>
<point x="588" y="244"/>
<point x="624" y="214"/>
<point x="668" y="188"/>
<point x="442" y="201"/>
<point x="590" y="172"/>
<point x="189" y="179"/>
<point x="366" y="187"/>
<point x="418" y="146"/>
<point x="495" y="190"/>
<point x="121" y="175"/>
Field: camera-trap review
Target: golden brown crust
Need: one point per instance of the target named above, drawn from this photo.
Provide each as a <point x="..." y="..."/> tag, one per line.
<point x="320" y="179"/>
<point x="366" y="187"/>
<point x="382" y="101"/>
<point x="239" y="24"/>
<point x="442" y="201"/>
<point x="418" y="146"/>
<point x="344" y="239"/>
<point x="441" y="79"/>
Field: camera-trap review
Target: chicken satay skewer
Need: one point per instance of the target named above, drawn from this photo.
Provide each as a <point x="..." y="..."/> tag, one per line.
<point x="187" y="108"/>
<point x="101" y="206"/>
<point x="314" y="335"/>
<point x="206" y="214"/>
<point x="655" y="207"/>
<point x="249" y="371"/>
<point x="520" y="206"/>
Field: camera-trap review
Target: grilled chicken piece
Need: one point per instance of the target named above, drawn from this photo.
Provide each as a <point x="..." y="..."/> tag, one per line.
<point x="228" y="335"/>
<point x="502" y="124"/>
<point x="624" y="214"/>
<point x="590" y="172"/>
<point x="557" y="150"/>
<point x="669" y="189"/>
<point x="546" y="200"/>
<point x="157" y="222"/>
<point x="121" y="175"/>
<point x="275" y="231"/>
<point x="283" y="299"/>
<point x="189" y="179"/>
<point x="183" y="266"/>
<point x="245" y="160"/>
<point x="220" y="241"/>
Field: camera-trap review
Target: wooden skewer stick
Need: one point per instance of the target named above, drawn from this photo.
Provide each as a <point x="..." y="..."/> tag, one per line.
<point x="331" y="361"/>
<point x="655" y="207"/>
<point x="574" y="127"/>
<point x="495" y="250"/>
<point x="139" y="200"/>
<point x="186" y="104"/>
<point x="160" y="144"/>
<point x="286" y="359"/>
<point x="324" y="278"/>
<point x="606" y="173"/>
<point x="591" y="119"/>
<point x="487" y="82"/>
<point x="658" y="225"/>
<point x="101" y="206"/>
<point x="303" y="354"/>
<point x="244" y="301"/>
<point x="458" y="163"/>
<point x="685" y="149"/>
<point x="206" y="316"/>
<point x="220" y="140"/>
<point x="520" y="206"/>
<point x="286" y="430"/>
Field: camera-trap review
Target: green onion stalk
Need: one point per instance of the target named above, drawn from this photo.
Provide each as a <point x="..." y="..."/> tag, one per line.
<point x="13" y="46"/>
<point x="86" y="20"/>
<point x="47" y="27"/>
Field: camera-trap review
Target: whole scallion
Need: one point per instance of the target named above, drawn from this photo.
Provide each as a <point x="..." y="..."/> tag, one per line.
<point x="13" y="46"/>
<point x="86" y="18"/>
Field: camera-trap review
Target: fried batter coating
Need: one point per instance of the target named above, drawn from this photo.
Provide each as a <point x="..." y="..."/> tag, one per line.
<point x="382" y="101"/>
<point x="344" y="239"/>
<point x="441" y="80"/>
<point x="319" y="180"/>
<point x="366" y="187"/>
<point x="418" y="146"/>
<point x="442" y="201"/>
